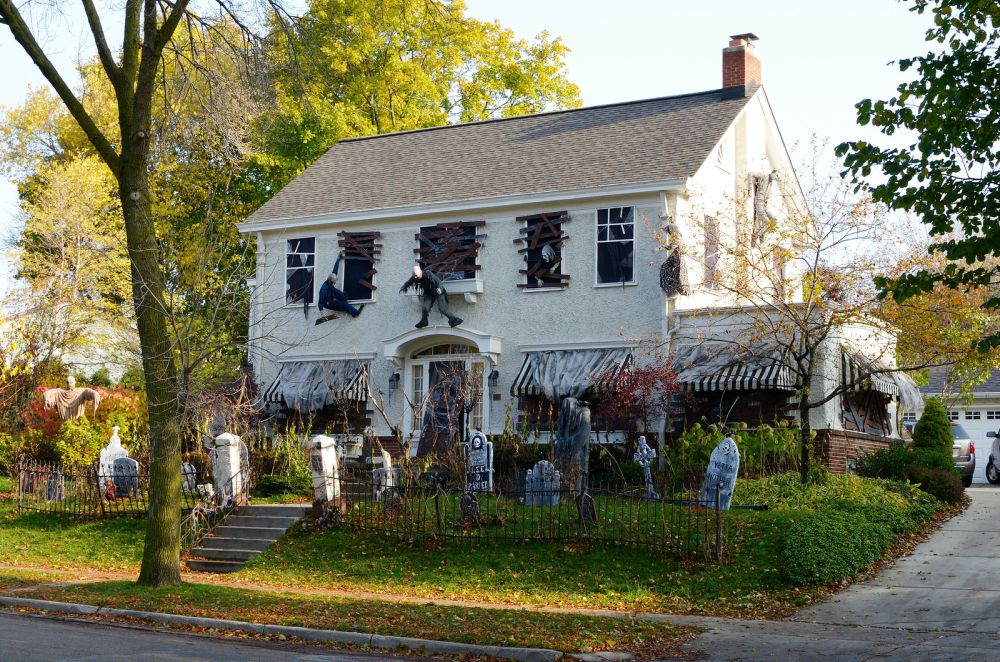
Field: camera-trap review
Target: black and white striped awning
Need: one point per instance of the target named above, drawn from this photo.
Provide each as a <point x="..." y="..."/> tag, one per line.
<point x="715" y="367"/>
<point x="568" y="373"/>
<point x="308" y="386"/>
<point x="862" y="374"/>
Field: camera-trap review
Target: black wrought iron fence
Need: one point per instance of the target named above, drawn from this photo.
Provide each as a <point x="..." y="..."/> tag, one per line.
<point x="213" y="507"/>
<point x="610" y="512"/>
<point x="88" y="491"/>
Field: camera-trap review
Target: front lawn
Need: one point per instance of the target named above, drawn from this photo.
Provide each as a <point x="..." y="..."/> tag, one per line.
<point x="564" y="632"/>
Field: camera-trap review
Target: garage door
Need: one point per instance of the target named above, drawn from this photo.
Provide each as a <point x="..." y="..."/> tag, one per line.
<point x="977" y="422"/>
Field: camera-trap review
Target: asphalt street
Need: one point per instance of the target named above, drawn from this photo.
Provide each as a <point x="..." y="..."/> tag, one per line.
<point x="39" y="639"/>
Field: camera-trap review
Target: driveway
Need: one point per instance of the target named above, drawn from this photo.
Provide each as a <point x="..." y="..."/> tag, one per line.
<point x="941" y="602"/>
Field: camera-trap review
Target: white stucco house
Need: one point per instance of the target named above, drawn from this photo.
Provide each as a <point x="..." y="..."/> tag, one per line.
<point x="547" y="232"/>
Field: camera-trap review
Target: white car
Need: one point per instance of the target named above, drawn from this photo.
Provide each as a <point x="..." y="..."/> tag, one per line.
<point x="992" y="470"/>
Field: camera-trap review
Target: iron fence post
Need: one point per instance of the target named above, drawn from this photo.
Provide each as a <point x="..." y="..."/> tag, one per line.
<point x="718" y="522"/>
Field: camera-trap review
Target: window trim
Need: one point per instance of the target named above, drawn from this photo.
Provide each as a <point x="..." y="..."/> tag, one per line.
<point x="478" y="237"/>
<point x="635" y="246"/>
<point x="315" y="287"/>
<point x="522" y="241"/>
<point x="342" y="242"/>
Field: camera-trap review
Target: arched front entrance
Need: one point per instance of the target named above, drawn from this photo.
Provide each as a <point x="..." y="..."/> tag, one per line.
<point x="446" y="380"/>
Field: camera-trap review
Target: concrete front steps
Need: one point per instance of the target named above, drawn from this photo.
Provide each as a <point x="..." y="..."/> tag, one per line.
<point x="245" y="534"/>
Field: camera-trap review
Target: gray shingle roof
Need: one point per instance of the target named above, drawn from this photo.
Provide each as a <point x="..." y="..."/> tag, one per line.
<point x="938" y="375"/>
<point x="620" y="144"/>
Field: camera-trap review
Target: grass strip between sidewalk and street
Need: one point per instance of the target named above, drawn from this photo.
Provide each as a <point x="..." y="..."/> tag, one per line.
<point x="497" y="627"/>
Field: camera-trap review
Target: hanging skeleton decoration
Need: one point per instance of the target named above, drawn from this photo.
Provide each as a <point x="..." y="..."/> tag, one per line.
<point x="762" y="217"/>
<point x="673" y="271"/>
<point x="331" y="298"/>
<point x="71" y="402"/>
<point x="431" y="292"/>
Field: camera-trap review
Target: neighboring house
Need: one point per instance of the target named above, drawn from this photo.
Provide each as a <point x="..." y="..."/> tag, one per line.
<point x="978" y="414"/>
<point x="544" y="228"/>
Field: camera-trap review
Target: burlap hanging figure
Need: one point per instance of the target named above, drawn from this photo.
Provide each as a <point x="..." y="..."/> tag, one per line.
<point x="71" y="402"/>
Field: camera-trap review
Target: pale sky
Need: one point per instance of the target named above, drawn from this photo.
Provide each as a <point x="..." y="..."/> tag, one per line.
<point x="819" y="58"/>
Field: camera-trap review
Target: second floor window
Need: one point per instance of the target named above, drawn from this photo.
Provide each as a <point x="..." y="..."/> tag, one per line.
<point x="300" y="265"/>
<point x="616" y="245"/>
<point x="541" y="240"/>
<point x="360" y="250"/>
<point x="450" y="250"/>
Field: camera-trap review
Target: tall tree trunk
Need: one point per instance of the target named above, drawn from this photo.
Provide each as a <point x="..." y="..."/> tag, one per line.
<point x="161" y="556"/>
<point x="805" y="433"/>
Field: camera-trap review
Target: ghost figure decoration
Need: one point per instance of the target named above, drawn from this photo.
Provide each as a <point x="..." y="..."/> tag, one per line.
<point x="572" y="448"/>
<point x="548" y="254"/>
<point x="71" y="402"/>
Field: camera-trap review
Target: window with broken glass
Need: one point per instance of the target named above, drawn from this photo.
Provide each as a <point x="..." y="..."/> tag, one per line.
<point x="450" y="250"/>
<point x="616" y="245"/>
<point x="300" y="265"/>
<point x="360" y="250"/>
<point x="541" y="246"/>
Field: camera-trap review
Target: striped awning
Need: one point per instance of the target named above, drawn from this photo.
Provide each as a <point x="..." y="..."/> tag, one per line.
<point x="860" y="373"/>
<point x="308" y="386"/>
<point x="717" y="367"/>
<point x="568" y="373"/>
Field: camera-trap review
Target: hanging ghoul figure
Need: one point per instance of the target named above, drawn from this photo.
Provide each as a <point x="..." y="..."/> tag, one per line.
<point x="331" y="298"/>
<point x="431" y="292"/>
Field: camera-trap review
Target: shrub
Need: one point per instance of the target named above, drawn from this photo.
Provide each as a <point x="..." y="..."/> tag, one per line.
<point x="944" y="484"/>
<point x="827" y="546"/>
<point x="293" y="484"/>
<point x="827" y="491"/>
<point x="79" y="442"/>
<point x="202" y="464"/>
<point x="933" y="430"/>
<point x="765" y="450"/>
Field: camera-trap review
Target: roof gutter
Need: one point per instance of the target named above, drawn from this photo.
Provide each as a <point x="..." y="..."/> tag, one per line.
<point x="498" y="202"/>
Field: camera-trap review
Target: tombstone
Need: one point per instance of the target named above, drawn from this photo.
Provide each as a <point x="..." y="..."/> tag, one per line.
<point x="55" y="487"/>
<point x="325" y="469"/>
<point x="572" y="447"/>
<point x="126" y="477"/>
<point x="723" y="466"/>
<point x="542" y="484"/>
<point x="227" y="462"/>
<point x="106" y="464"/>
<point x="479" y="464"/>
<point x="644" y="457"/>
<point x="189" y="478"/>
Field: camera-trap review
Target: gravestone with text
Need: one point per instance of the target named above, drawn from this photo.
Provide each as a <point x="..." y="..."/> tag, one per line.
<point x="126" y="477"/>
<point x="723" y="465"/>
<point x="479" y="464"/>
<point x="55" y="487"/>
<point x="542" y="484"/>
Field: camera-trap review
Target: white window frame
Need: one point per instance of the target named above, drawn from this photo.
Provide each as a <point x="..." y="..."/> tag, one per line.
<point x="952" y="414"/>
<point x="973" y="415"/>
<point x="315" y="288"/>
<point x="993" y="415"/>
<point x="909" y="417"/>
<point x="635" y="245"/>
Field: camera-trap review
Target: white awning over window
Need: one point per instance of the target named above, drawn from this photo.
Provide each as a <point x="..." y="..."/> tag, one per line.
<point x="308" y="386"/>
<point x="567" y="373"/>
<point x="720" y="367"/>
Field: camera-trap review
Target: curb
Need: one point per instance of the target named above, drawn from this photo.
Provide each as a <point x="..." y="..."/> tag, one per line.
<point x="305" y="634"/>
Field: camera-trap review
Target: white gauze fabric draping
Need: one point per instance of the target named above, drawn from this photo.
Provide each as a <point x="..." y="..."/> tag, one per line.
<point x="308" y="386"/>
<point x="71" y="403"/>
<point x="568" y="373"/>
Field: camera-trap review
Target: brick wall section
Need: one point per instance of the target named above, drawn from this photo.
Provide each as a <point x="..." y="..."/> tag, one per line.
<point x="835" y="447"/>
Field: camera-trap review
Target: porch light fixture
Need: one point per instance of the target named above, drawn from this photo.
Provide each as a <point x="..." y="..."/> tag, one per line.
<point x="494" y="378"/>
<point x="393" y="382"/>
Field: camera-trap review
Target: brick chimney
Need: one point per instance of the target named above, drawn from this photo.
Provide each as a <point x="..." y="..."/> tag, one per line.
<point x="740" y="66"/>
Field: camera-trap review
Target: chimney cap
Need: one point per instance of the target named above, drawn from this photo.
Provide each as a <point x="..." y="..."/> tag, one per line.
<point x="746" y="36"/>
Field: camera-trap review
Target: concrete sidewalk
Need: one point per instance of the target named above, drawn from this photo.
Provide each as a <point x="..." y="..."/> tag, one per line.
<point x="937" y="603"/>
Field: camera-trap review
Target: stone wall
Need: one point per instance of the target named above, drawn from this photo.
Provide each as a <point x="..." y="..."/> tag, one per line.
<point x="837" y="449"/>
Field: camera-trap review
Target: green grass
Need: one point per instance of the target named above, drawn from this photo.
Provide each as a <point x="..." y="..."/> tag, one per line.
<point x="565" y="632"/>
<point x="576" y="575"/>
<point x="61" y="542"/>
<point x="19" y="578"/>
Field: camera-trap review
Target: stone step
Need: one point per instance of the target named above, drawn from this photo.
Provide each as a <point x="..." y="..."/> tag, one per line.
<point x="224" y="554"/>
<point x="218" y="542"/>
<point x="277" y="510"/>
<point x="257" y="521"/>
<point x="204" y="565"/>
<point x="254" y="532"/>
